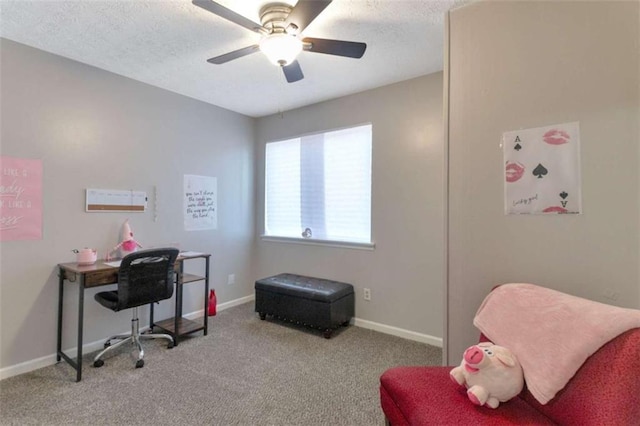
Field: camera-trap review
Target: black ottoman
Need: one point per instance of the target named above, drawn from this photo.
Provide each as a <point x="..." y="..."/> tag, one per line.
<point x="314" y="302"/>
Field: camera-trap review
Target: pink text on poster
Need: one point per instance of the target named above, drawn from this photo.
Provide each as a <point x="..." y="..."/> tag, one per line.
<point x="20" y="199"/>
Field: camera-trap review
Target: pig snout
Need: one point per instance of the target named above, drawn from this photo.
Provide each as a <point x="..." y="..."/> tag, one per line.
<point x="473" y="355"/>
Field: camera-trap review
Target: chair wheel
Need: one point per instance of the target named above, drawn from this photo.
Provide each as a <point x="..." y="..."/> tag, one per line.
<point x="98" y="363"/>
<point x="170" y="345"/>
<point x="140" y="363"/>
<point x="107" y="344"/>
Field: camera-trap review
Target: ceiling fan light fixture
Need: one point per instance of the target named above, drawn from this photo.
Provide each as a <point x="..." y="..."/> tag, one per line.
<point x="281" y="49"/>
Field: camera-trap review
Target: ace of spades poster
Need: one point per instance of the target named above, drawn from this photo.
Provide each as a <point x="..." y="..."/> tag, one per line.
<point x="542" y="170"/>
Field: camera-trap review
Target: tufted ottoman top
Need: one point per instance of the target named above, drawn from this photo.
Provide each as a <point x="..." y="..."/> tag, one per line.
<point x="305" y="287"/>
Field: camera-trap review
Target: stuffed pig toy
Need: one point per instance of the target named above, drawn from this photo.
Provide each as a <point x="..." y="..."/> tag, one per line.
<point x="491" y="373"/>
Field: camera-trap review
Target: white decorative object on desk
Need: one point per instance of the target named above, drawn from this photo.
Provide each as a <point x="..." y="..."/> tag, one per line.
<point x="127" y="244"/>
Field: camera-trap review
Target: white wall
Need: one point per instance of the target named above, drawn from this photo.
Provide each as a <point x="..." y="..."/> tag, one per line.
<point x="405" y="271"/>
<point x="526" y="64"/>
<point x="94" y="129"/>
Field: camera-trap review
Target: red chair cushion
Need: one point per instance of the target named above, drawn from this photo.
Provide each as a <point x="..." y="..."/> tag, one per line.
<point x="429" y="397"/>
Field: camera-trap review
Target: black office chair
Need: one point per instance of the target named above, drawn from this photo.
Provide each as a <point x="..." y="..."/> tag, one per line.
<point x="145" y="277"/>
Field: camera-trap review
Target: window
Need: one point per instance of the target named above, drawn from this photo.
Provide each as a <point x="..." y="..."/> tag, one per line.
<point x="318" y="187"/>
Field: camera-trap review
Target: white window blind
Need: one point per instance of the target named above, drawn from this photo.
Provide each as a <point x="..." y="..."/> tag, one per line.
<point x="322" y="183"/>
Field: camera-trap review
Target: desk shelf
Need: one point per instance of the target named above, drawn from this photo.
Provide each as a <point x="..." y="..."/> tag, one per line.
<point x="191" y="278"/>
<point x="185" y="326"/>
<point x="178" y="326"/>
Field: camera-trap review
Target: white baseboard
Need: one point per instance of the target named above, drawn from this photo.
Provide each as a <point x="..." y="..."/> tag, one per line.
<point x="370" y="325"/>
<point x="399" y="332"/>
<point x="45" y="361"/>
<point x="222" y="306"/>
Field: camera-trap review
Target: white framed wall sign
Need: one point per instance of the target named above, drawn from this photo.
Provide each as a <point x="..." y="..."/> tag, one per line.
<point x="542" y="170"/>
<point x="115" y="200"/>
<point x="200" y="203"/>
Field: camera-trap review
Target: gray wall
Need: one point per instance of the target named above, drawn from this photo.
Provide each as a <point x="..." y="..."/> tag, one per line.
<point x="405" y="271"/>
<point x="527" y="64"/>
<point x="94" y="129"/>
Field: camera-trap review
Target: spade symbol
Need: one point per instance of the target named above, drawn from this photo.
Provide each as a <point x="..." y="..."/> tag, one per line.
<point x="563" y="195"/>
<point x="540" y="171"/>
<point x="518" y="147"/>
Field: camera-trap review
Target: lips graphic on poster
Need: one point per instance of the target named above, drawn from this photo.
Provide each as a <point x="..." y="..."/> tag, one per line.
<point x="20" y="199"/>
<point x="556" y="137"/>
<point x="542" y="167"/>
<point x="514" y="171"/>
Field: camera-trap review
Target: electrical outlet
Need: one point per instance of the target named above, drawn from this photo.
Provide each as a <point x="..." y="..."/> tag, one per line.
<point x="367" y="294"/>
<point x="231" y="279"/>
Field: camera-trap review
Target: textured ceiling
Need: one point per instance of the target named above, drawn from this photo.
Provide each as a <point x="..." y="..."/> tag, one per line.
<point x="166" y="44"/>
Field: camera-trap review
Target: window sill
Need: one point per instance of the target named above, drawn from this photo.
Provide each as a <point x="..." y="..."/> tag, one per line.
<point x="314" y="242"/>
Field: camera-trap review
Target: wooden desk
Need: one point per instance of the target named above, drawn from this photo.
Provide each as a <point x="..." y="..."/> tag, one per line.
<point x="100" y="274"/>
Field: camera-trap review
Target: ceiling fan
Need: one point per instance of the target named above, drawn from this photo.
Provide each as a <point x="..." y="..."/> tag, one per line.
<point x="281" y="25"/>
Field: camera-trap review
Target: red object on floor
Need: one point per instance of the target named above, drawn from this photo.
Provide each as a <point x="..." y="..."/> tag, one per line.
<point x="212" y="302"/>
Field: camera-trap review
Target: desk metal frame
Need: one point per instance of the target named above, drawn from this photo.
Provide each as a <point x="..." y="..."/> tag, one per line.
<point x="100" y="274"/>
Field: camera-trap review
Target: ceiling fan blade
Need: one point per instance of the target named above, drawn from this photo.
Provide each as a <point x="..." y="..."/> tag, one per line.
<point x="350" y="49"/>
<point x="234" y="55"/>
<point x="293" y="72"/>
<point x="306" y="11"/>
<point x="230" y="15"/>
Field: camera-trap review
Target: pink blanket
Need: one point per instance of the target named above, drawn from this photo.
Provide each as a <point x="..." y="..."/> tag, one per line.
<point x="551" y="333"/>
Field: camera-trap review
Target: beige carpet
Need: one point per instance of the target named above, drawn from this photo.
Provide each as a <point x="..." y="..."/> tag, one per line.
<point x="245" y="372"/>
